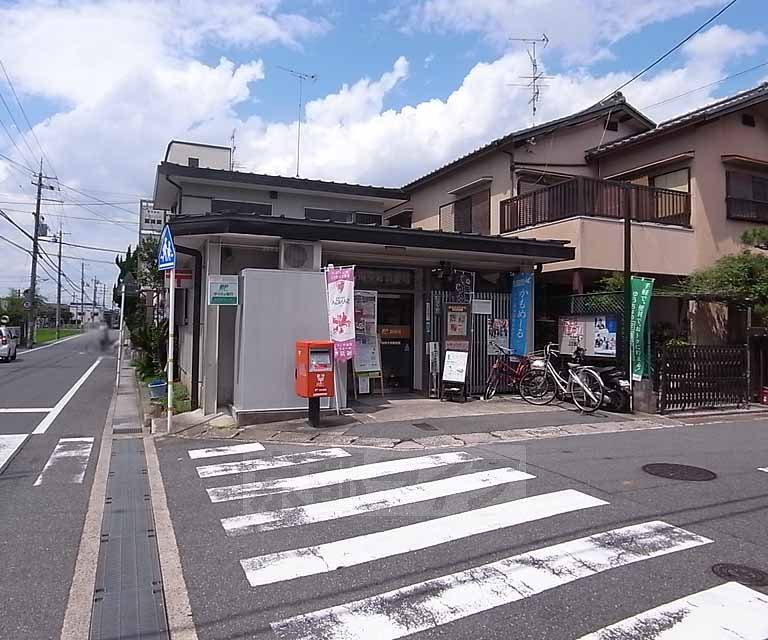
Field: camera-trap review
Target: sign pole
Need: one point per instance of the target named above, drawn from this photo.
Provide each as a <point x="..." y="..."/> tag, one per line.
<point x="169" y="374"/>
<point x="120" y="340"/>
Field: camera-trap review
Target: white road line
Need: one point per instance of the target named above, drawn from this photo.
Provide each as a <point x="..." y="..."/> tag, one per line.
<point x="729" y="611"/>
<point x="436" y="602"/>
<point x="51" y="344"/>
<point x="25" y="410"/>
<point x="356" y="505"/>
<point x="48" y="420"/>
<point x="336" y="476"/>
<point x="263" y="464"/>
<point x="68" y="461"/>
<point x="9" y="444"/>
<point x="763" y="469"/>
<point x="297" y="563"/>
<point x="229" y="450"/>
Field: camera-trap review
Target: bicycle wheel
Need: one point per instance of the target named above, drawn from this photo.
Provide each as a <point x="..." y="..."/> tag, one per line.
<point x="491" y="386"/>
<point x="589" y="397"/>
<point x="537" y="387"/>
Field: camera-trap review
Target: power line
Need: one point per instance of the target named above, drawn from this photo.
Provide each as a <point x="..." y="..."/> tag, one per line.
<point x="26" y="119"/>
<point x="90" y="260"/>
<point x="13" y="162"/>
<point x="673" y="49"/>
<point x="90" y="248"/>
<point x="99" y="200"/>
<point x="15" y="124"/>
<point x="705" y="86"/>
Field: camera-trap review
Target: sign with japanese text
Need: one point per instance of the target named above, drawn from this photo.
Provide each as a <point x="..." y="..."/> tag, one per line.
<point x="366" y="303"/>
<point x="642" y="289"/>
<point x="521" y="301"/>
<point x="455" y="366"/>
<point x="223" y="290"/>
<point x="340" y="287"/>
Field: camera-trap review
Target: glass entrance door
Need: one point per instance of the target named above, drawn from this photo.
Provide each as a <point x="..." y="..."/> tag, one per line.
<point x="395" y="319"/>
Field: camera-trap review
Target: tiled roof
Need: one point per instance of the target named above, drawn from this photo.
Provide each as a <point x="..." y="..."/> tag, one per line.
<point x="712" y="110"/>
<point x="614" y="103"/>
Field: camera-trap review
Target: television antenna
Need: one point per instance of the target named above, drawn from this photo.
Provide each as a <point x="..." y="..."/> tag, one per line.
<point x="300" y="77"/>
<point x="535" y="79"/>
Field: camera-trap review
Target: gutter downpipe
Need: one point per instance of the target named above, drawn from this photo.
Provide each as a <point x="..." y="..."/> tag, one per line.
<point x="194" y="392"/>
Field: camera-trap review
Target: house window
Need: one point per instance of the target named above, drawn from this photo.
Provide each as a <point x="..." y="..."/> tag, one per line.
<point x="468" y="215"/>
<point x="233" y="206"/>
<point x="193" y="162"/>
<point x="678" y="180"/>
<point x="747" y="196"/>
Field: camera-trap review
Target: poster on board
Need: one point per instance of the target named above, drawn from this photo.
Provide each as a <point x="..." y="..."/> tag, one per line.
<point x="497" y="335"/>
<point x="367" y="356"/>
<point x="596" y="334"/>
<point x="365" y="312"/>
<point x="604" y="328"/>
<point x="455" y="366"/>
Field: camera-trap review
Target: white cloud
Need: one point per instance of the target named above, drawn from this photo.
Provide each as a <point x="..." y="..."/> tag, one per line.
<point x="583" y="29"/>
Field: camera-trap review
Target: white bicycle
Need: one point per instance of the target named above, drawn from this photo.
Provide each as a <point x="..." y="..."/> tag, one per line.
<point x="543" y="383"/>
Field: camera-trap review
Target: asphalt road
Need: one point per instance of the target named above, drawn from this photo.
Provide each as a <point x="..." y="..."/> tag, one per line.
<point x="42" y="510"/>
<point x="396" y="574"/>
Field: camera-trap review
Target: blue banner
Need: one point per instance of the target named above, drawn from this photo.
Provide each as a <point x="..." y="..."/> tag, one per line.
<point x="521" y="301"/>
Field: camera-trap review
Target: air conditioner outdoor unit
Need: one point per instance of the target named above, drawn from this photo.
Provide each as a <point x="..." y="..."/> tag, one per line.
<point x="300" y="256"/>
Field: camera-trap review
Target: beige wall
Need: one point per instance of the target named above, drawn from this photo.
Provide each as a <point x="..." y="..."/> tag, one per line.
<point x="561" y="152"/>
<point x="715" y="235"/>
<point x="208" y="157"/>
<point x="599" y="244"/>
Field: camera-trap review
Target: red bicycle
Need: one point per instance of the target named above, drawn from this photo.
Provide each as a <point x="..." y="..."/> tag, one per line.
<point x="508" y="369"/>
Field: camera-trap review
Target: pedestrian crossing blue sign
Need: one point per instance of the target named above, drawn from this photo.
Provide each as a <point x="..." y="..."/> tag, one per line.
<point x="166" y="252"/>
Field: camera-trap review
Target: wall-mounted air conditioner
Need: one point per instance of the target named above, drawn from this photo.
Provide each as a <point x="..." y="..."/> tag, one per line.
<point x="300" y="256"/>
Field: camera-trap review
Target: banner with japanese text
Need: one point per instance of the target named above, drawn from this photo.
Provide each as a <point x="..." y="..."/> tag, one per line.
<point x="520" y="312"/>
<point x="340" y="284"/>
<point x="642" y="289"/>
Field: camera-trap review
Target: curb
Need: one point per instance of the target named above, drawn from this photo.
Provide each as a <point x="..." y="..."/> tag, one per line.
<point x="441" y="441"/>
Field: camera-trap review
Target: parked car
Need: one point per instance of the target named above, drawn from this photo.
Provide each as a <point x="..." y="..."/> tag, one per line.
<point x="9" y="341"/>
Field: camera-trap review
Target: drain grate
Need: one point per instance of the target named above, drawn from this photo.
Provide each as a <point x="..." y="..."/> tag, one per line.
<point x="679" y="472"/>
<point x="425" y="426"/>
<point x="741" y="573"/>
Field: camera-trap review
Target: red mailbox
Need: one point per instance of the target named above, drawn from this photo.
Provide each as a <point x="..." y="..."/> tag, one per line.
<point x="314" y="368"/>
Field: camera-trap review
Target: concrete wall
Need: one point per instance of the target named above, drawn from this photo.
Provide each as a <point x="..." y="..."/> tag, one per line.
<point x="197" y="199"/>
<point x="208" y="157"/>
<point x="599" y="244"/>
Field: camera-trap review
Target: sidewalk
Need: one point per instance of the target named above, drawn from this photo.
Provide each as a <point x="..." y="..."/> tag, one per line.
<point x="409" y="423"/>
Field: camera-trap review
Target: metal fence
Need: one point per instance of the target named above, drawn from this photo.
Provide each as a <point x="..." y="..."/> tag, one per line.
<point x="480" y="362"/>
<point x="703" y="377"/>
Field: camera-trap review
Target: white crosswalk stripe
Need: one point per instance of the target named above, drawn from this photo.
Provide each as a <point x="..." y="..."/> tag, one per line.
<point x="263" y="464"/>
<point x="763" y="469"/>
<point x="436" y="602"/>
<point x="336" y="476"/>
<point x="287" y="565"/>
<point x="728" y="612"/>
<point x="9" y="444"/>
<point x="68" y="462"/>
<point x="378" y="500"/>
<point x="228" y="450"/>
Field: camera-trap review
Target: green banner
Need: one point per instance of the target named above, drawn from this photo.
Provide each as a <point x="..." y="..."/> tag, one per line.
<point x="642" y="288"/>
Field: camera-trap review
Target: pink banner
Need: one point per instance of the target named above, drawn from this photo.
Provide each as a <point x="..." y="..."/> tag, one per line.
<point x="340" y="284"/>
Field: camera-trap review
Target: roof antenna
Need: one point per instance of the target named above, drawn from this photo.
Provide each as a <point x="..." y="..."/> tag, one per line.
<point x="232" y="163"/>
<point x="301" y="77"/>
<point x="534" y="80"/>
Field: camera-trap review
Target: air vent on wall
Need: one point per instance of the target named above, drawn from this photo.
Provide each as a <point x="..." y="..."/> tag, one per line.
<point x="747" y="119"/>
<point x="299" y="256"/>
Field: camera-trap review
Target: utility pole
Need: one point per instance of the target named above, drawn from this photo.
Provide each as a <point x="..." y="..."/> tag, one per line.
<point x="93" y="312"/>
<point x="58" y="292"/>
<point x="103" y="297"/>
<point x="82" y="296"/>
<point x="33" y="275"/>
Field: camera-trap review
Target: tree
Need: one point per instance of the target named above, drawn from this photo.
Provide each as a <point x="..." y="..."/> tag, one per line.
<point x="148" y="274"/>
<point x="741" y="275"/>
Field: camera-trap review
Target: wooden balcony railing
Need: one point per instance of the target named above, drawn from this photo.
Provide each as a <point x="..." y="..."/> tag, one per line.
<point x="599" y="198"/>
<point x="748" y="210"/>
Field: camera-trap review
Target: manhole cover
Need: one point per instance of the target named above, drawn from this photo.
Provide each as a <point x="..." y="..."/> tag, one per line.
<point x="679" y="472"/>
<point x="425" y="426"/>
<point x="741" y="573"/>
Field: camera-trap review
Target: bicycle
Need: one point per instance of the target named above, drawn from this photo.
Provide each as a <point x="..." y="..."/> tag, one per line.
<point x="505" y="371"/>
<point x="543" y="383"/>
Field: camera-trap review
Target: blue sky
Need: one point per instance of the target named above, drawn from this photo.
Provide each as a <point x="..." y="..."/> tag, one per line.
<point x="403" y="86"/>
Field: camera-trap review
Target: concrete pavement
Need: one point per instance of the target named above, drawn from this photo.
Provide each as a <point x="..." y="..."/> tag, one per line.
<point x="549" y="538"/>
